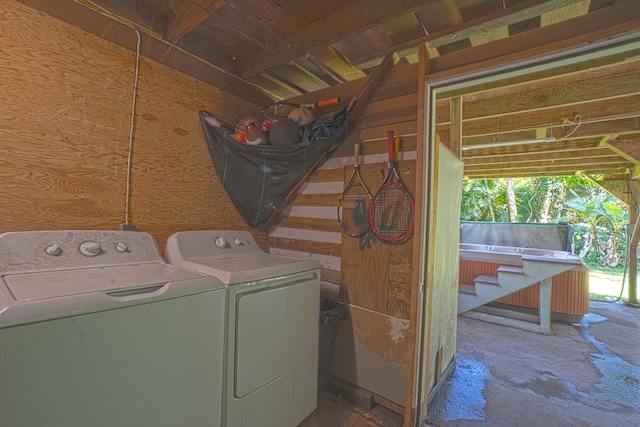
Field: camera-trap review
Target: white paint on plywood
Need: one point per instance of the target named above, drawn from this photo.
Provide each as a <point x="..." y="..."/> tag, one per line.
<point x="319" y="212"/>
<point x="327" y="187"/>
<point x="302" y="234"/>
<point x="342" y="162"/>
<point x="397" y="328"/>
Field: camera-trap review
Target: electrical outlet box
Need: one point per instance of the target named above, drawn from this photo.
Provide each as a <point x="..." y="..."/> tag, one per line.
<point x="128" y="227"/>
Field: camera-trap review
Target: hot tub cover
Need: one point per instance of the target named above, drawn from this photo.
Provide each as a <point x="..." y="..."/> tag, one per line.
<point x="257" y="178"/>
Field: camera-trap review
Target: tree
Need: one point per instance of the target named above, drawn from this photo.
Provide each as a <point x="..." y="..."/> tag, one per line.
<point x="592" y="213"/>
<point x="513" y="206"/>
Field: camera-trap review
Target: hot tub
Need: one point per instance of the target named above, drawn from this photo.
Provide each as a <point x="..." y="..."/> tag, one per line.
<point x="570" y="290"/>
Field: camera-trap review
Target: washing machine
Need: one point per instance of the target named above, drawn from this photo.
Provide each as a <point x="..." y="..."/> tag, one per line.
<point x="97" y="330"/>
<point x="272" y="325"/>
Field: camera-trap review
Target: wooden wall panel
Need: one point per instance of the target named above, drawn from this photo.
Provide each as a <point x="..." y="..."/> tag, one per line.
<point x="374" y="278"/>
<point x="360" y="267"/>
<point x="65" y="118"/>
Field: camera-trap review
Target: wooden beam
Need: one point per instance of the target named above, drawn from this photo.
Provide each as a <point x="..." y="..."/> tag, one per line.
<point x="512" y="159"/>
<point x="418" y="338"/>
<point x="558" y="147"/>
<point x="372" y="84"/>
<point x="455" y="135"/>
<point x="619" y="188"/>
<point x="548" y="171"/>
<point x="188" y="16"/>
<point x="583" y="30"/>
<point x="551" y="118"/>
<point x="536" y="98"/>
<point x="338" y="25"/>
<point x="153" y="47"/>
<point x="566" y="74"/>
<point x="490" y="22"/>
<point x="612" y="162"/>
<point x="627" y="126"/>
<point x="141" y="12"/>
<point x="627" y="148"/>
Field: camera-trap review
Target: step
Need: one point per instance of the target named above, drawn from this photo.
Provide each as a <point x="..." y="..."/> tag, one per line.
<point x="467" y="289"/>
<point x="510" y="269"/>
<point x="488" y="280"/>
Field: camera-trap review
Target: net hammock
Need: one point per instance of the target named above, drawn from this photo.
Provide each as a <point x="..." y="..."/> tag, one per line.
<point x="258" y="178"/>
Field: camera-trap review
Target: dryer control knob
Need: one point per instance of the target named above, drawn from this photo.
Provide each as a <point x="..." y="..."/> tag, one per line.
<point x="237" y="242"/>
<point x="90" y="248"/>
<point x="54" y="249"/>
<point x="122" y="247"/>
<point x="221" y="242"/>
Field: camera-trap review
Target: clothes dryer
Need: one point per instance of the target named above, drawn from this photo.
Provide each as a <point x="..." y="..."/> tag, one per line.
<point x="272" y="325"/>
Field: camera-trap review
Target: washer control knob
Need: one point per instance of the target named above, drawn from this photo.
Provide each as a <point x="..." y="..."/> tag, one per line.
<point x="122" y="247"/>
<point x="221" y="242"/>
<point x="54" y="249"/>
<point x="90" y="248"/>
<point x="237" y="242"/>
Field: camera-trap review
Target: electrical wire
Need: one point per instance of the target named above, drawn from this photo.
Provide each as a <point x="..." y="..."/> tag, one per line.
<point x="127" y="196"/>
<point x="572" y="122"/>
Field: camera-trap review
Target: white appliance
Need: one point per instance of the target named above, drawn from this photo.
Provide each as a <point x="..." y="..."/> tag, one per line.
<point x="97" y="330"/>
<point x="272" y="325"/>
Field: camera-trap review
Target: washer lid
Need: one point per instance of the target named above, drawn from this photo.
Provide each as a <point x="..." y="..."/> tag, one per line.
<point x="247" y="267"/>
<point x="36" y="297"/>
<point x="43" y="285"/>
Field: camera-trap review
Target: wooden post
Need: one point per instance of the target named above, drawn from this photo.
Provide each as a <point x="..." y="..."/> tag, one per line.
<point x="414" y="375"/>
<point x="455" y="136"/>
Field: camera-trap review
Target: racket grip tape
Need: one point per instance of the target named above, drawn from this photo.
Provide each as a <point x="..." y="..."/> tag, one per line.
<point x="357" y="149"/>
<point x="390" y="144"/>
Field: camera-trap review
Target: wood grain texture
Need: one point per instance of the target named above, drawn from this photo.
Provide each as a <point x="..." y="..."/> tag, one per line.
<point x="373" y="275"/>
<point x="65" y="118"/>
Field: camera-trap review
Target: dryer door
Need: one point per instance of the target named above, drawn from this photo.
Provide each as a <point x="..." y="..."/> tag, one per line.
<point x="276" y="331"/>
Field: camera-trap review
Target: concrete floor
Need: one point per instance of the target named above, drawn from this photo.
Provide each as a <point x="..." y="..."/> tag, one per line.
<point x="582" y="375"/>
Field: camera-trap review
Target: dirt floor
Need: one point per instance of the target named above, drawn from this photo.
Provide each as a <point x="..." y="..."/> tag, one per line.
<point x="582" y="375"/>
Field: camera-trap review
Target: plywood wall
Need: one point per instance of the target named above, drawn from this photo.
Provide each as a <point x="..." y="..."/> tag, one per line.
<point x="65" y="116"/>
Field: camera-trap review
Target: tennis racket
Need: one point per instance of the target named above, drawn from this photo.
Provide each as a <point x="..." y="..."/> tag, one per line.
<point x="391" y="210"/>
<point x="353" y="204"/>
<point x="281" y="110"/>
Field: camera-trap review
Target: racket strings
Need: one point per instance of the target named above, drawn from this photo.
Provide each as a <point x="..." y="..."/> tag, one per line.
<point x="353" y="210"/>
<point x="392" y="212"/>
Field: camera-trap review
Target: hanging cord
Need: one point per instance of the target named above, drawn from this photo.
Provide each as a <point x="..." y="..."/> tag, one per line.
<point x="624" y="278"/>
<point x="133" y="119"/>
<point x="577" y="121"/>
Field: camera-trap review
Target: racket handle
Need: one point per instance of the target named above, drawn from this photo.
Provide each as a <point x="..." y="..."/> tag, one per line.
<point x="326" y="102"/>
<point x="397" y="149"/>
<point x="390" y="144"/>
<point x="356" y="154"/>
